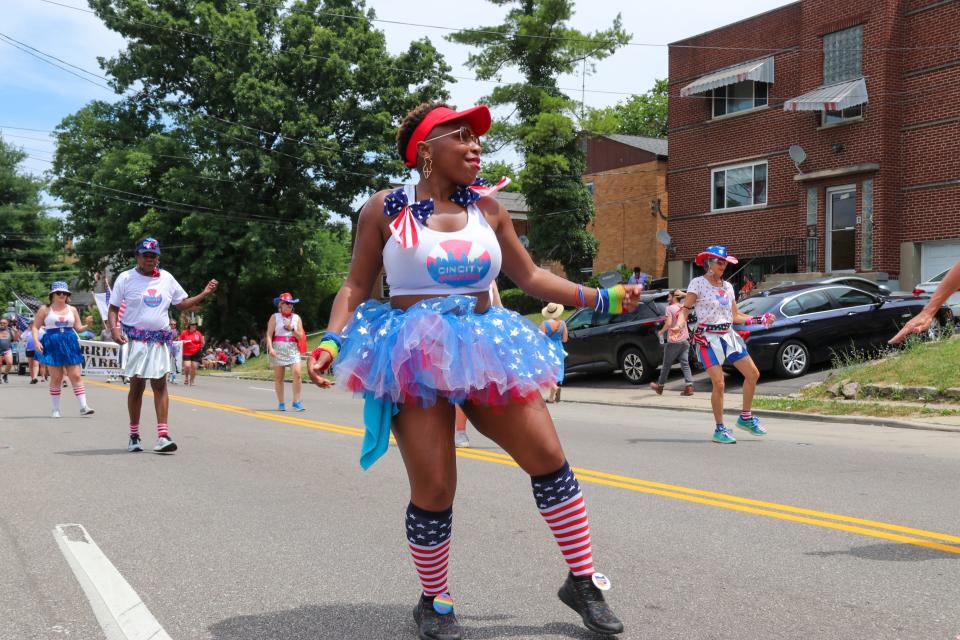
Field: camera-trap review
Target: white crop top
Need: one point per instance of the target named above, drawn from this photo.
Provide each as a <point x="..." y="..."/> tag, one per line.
<point x="444" y="262"/>
<point x="59" y="320"/>
<point x="278" y="328"/>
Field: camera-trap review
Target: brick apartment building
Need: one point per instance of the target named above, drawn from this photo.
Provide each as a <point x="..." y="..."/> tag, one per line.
<point x="869" y="90"/>
<point x="628" y="178"/>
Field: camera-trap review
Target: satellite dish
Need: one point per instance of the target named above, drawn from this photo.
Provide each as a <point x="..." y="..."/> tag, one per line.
<point x="525" y="241"/>
<point x="664" y="238"/>
<point x="798" y="155"/>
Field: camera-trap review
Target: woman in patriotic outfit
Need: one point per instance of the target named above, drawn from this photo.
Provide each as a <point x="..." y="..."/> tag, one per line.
<point x="439" y="342"/>
<point x="59" y="348"/>
<point x="716" y="341"/>
<point x="284" y="332"/>
<point x="146" y="293"/>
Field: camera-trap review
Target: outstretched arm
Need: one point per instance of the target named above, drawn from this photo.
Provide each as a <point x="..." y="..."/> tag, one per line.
<point x="922" y="321"/>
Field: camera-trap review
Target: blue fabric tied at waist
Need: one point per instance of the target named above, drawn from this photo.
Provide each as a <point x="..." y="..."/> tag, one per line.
<point x="377" y="415"/>
<point x="159" y="336"/>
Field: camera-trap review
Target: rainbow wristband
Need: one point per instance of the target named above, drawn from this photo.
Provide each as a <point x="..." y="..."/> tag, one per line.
<point x="615" y="295"/>
<point x="329" y="346"/>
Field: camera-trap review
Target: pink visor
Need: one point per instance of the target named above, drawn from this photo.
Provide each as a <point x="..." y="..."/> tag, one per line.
<point x="477" y="117"/>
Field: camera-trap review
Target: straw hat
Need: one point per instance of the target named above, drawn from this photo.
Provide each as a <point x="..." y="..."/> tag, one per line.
<point x="552" y="311"/>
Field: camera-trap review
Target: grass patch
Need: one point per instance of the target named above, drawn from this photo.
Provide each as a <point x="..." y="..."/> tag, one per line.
<point x="919" y="364"/>
<point x="849" y="408"/>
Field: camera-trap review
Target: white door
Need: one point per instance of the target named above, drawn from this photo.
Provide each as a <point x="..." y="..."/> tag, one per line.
<point x="841" y="241"/>
<point x="936" y="257"/>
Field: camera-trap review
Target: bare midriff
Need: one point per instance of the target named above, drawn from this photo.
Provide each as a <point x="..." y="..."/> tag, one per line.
<point x="405" y="302"/>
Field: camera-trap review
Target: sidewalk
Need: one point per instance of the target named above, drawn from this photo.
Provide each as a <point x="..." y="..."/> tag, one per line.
<point x="643" y="397"/>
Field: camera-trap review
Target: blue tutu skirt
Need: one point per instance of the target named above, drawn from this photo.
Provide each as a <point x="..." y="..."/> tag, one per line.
<point x="60" y="348"/>
<point x="442" y="348"/>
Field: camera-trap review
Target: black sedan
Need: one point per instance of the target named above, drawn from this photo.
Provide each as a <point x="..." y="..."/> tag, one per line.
<point x="628" y="342"/>
<point x="814" y="323"/>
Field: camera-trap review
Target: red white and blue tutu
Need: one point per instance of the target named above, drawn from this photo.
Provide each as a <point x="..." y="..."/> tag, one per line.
<point x="61" y="348"/>
<point x="441" y="348"/>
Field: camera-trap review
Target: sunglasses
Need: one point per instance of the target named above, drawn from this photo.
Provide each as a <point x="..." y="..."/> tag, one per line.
<point x="59" y="293"/>
<point x="466" y="136"/>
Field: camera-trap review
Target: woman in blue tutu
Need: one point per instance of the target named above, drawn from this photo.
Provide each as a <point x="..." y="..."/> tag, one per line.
<point x="59" y="348"/>
<point x="439" y="342"/>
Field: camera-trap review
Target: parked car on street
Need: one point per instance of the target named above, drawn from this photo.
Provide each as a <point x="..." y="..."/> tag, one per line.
<point x="626" y="342"/>
<point x="927" y="288"/>
<point x="814" y="323"/>
<point x="851" y="281"/>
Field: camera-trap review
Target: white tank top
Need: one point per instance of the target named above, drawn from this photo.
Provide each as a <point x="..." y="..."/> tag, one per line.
<point x="444" y="262"/>
<point x="279" y="331"/>
<point x="61" y="320"/>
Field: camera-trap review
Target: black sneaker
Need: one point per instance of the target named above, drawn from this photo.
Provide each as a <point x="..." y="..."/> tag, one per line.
<point x="432" y="625"/>
<point x="581" y="595"/>
<point x="5" y="379"/>
<point x="34" y="381"/>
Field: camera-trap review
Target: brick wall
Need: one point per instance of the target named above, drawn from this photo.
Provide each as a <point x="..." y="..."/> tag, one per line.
<point x="624" y="226"/>
<point x="911" y="127"/>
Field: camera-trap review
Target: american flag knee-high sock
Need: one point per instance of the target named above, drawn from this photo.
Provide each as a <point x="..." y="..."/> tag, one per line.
<point x="428" y="536"/>
<point x="562" y="507"/>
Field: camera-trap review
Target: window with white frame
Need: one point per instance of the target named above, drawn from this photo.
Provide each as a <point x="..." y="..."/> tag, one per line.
<point x="739" y="96"/>
<point x="739" y="186"/>
<point x="843" y="55"/>
<point x="840" y="115"/>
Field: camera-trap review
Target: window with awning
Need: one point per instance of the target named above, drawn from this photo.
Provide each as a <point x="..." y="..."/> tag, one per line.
<point x="834" y="97"/>
<point x="755" y="71"/>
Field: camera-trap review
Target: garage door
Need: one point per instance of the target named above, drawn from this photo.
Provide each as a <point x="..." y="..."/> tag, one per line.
<point x="937" y="256"/>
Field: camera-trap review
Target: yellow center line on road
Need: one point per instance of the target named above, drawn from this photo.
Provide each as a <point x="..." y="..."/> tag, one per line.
<point x="790" y="513"/>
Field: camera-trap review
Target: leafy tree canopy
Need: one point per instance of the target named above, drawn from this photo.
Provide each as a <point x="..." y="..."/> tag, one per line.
<point x="241" y="129"/>
<point x="536" y="40"/>
<point x="640" y="115"/>
<point x="31" y="246"/>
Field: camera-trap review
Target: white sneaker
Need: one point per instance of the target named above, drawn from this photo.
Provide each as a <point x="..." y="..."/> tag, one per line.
<point x="86" y="411"/>
<point x="134" y="444"/>
<point x="165" y="445"/>
<point x="460" y="439"/>
<point x="55" y="414"/>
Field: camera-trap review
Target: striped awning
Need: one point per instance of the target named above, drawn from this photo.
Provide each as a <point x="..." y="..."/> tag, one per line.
<point x="757" y="70"/>
<point x="833" y="97"/>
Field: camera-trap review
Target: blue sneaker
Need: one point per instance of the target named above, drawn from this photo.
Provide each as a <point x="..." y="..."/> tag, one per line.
<point x="298" y="406"/>
<point x="752" y="425"/>
<point x="724" y="436"/>
<point x="281" y="407"/>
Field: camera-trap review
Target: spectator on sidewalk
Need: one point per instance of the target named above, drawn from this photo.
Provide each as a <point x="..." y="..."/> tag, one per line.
<point x="192" y="352"/>
<point x="749" y="284"/>
<point x="676" y="345"/>
<point x="556" y="330"/>
<point x="254" y="348"/>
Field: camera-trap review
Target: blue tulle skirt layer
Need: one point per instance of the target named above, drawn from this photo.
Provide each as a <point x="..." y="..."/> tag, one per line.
<point x="442" y="348"/>
<point x="60" y="348"/>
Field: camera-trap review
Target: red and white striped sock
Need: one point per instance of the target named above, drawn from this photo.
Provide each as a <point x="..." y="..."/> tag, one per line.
<point x="162" y="430"/>
<point x="562" y="506"/>
<point x="55" y="397"/>
<point x="81" y="394"/>
<point x="135" y="429"/>
<point x="428" y="536"/>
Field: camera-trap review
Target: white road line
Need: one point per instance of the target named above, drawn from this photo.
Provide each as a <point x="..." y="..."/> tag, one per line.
<point x="260" y="388"/>
<point x="117" y="606"/>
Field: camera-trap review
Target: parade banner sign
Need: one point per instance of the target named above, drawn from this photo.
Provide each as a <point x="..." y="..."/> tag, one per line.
<point x="100" y="358"/>
<point x="106" y="358"/>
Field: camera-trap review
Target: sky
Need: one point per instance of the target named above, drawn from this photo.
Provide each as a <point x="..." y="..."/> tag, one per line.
<point x="35" y="95"/>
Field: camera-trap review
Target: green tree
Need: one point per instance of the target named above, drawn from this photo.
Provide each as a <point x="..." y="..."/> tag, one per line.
<point x="535" y="38"/>
<point x="243" y="127"/>
<point x="493" y="170"/>
<point x="30" y="243"/>
<point x="640" y="115"/>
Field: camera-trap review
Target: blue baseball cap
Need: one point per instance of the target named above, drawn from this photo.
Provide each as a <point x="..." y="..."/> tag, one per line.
<point x="148" y="245"/>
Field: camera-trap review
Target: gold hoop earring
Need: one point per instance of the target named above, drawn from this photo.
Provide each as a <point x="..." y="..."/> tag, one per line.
<point x="427" y="167"/>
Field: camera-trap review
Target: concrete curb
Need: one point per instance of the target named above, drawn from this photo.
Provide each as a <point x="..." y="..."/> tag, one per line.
<point x="807" y="417"/>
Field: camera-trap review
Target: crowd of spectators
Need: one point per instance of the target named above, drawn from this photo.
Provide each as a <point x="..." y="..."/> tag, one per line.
<point x="227" y="354"/>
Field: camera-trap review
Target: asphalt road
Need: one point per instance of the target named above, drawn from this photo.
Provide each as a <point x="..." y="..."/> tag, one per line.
<point x="263" y="526"/>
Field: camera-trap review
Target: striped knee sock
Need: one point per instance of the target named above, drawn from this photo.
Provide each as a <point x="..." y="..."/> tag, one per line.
<point x="162" y="430"/>
<point x="81" y="394"/>
<point x="428" y="535"/>
<point x="561" y="505"/>
<point x="135" y="429"/>
<point x="55" y="397"/>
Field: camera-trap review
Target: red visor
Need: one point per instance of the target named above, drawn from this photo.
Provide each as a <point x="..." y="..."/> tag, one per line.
<point x="477" y="117"/>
